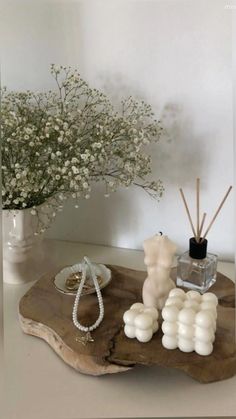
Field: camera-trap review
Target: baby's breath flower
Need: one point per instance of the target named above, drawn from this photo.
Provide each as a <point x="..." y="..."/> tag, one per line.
<point x="84" y="156"/>
<point x="55" y="144"/>
<point x="75" y="169"/>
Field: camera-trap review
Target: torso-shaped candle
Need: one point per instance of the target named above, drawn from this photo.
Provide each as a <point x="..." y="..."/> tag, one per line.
<point x="159" y="252"/>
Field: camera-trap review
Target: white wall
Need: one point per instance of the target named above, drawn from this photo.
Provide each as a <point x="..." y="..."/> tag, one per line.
<point x="176" y="54"/>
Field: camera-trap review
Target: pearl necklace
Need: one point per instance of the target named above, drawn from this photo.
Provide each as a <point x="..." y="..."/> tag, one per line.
<point x="87" y="264"/>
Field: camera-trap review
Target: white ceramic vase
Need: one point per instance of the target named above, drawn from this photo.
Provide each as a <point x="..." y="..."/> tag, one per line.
<point x="24" y="257"/>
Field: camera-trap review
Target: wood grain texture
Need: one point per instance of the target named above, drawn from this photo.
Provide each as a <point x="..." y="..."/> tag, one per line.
<point x="46" y="313"/>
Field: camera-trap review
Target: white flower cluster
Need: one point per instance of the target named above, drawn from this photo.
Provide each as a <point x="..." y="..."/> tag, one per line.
<point x="56" y="144"/>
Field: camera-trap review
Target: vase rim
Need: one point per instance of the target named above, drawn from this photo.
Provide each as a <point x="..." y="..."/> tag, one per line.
<point x="24" y="209"/>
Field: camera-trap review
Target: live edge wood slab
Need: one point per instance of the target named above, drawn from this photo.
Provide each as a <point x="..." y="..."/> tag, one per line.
<point x="46" y="313"/>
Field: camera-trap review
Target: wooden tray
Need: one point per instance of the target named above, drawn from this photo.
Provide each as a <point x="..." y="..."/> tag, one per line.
<point x="46" y="313"/>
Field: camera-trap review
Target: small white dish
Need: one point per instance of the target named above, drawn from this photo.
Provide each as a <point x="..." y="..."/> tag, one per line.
<point x="63" y="275"/>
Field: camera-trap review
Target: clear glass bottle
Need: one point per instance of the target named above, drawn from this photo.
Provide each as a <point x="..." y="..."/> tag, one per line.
<point x="196" y="268"/>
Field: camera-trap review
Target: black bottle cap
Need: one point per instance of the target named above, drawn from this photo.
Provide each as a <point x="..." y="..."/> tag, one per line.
<point x="197" y="250"/>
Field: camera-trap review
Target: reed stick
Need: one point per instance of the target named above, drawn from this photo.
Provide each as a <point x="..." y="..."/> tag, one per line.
<point x="217" y="212"/>
<point x="202" y="224"/>
<point x="188" y="213"/>
<point x="198" y="207"/>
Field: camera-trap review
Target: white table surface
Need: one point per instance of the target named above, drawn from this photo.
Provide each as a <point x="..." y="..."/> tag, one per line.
<point x="38" y="384"/>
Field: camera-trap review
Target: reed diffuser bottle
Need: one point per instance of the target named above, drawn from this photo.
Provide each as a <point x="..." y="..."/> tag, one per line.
<point x="196" y="268"/>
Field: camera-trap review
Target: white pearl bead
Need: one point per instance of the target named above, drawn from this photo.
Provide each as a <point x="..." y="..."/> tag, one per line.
<point x="185" y="345"/>
<point x="209" y="305"/>
<point x="169" y="328"/>
<point x="194" y="295"/>
<point x="193" y="304"/>
<point x="169" y="342"/>
<point x="203" y="334"/>
<point x="129" y="331"/>
<point x="170" y="313"/>
<point x="174" y="301"/>
<point x="137" y="306"/>
<point x="185" y="331"/>
<point x="144" y="335"/>
<point x="203" y="348"/>
<point x="143" y="321"/>
<point x="204" y="319"/>
<point x="177" y="292"/>
<point x="129" y="316"/>
<point x="209" y="296"/>
<point x="152" y="311"/>
<point x="186" y="316"/>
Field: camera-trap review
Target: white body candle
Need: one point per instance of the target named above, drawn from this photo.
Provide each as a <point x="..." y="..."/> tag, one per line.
<point x="159" y="252"/>
<point x="189" y="321"/>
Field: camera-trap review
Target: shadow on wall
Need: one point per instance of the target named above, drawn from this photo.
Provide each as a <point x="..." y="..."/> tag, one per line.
<point x="117" y="89"/>
<point x="114" y="221"/>
<point x="180" y="156"/>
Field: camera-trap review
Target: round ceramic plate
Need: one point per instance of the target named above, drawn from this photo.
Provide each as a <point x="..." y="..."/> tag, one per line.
<point x="63" y="275"/>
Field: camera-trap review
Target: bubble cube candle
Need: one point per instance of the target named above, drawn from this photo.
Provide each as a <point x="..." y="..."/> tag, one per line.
<point x="189" y="321"/>
<point x="141" y="322"/>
